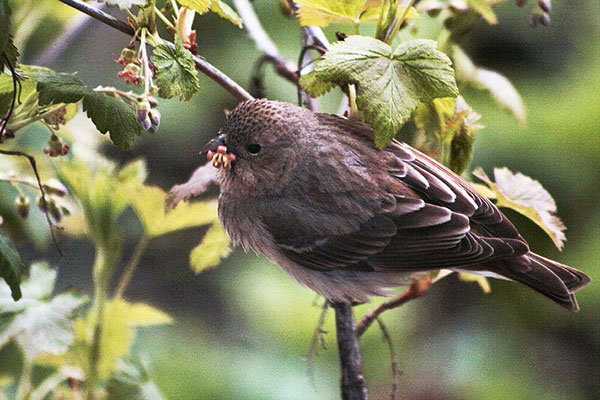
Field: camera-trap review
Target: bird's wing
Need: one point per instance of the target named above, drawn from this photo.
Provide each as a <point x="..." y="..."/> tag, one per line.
<point x="432" y="220"/>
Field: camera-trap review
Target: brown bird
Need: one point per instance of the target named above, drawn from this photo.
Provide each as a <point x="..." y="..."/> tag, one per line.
<point x="313" y="194"/>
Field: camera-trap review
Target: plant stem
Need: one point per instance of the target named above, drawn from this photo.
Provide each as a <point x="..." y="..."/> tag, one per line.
<point x="21" y="124"/>
<point x="24" y="391"/>
<point x="400" y="21"/>
<point x="100" y="285"/>
<point x="163" y="18"/>
<point x="131" y="266"/>
<point x="353" y="383"/>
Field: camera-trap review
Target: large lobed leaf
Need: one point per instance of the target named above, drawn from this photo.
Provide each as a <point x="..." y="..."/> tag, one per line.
<point x="528" y="197"/>
<point x="149" y="204"/>
<point x="219" y="7"/>
<point x="39" y="323"/>
<point x="176" y="72"/>
<point x="389" y="84"/>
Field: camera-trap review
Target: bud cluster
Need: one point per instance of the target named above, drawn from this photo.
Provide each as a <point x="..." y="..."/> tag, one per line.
<point x="147" y="115"/>
<point x="57" y="118"/>
<point x="132" y="72"/>
<point x="540" y="15"/>
<point x="55" y="147"/>
<point x="53" y="203"/>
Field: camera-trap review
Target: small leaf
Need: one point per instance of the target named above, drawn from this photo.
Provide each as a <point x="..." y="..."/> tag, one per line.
<point x="200" y="6"/>
<point x="132" y="381"/>
<point x="389" y="84"/>
<point x="499" y="87"/>
<point x="224" y="11"/>
<point x="483" y="8"/>
<point x="528" y="197"/>
<point x="214" y="247"/>
<point x="324" y="12"/>
<point x="176" y="72"/>
<point x="126" y="4"/>
<point x="109" y="114"/>
<point x="149" y="204"/>
<point x="11" y="266"/>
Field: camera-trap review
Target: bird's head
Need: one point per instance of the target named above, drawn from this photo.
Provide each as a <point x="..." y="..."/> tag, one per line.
<point x="259" y="143"/>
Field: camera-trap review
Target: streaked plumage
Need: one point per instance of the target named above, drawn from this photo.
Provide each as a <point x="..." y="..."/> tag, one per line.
<point x="349" y="220"/>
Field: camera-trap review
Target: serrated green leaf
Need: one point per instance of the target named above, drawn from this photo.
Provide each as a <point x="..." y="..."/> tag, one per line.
<point x="324" y="12"/>
<point x="224" y="11"/>
<point x="149" y="204"/>
<point x="132" y="381"/>
<point x="112" y="116"/>
<point x="126" y="4"/>
<point x="528" y="197"/>
<point x="11" y="266"/>
<point x="200" y="6"/>
<point x="176" y="72"/>
<point x="389" y="84"/>
<point x="483" y="8"/>
<point x="109" y="114"/>
<point x="314" y="86"/>
<point x="214" y="247"/>
<point x="499" y="87"/>
<point x="40" y="324"/>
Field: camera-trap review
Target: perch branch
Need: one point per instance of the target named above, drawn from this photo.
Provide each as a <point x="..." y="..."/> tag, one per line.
<point x="353" y="383"/>
<point x="417" y="289"/>
<point x="201" y="64"/>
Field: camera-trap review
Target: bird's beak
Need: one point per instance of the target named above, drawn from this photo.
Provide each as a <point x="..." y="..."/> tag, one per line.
<point x="216" y="151"/>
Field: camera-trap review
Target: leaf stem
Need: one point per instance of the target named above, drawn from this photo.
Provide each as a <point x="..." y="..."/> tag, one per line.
<point x="400" y="21"/>
<point x="131" y="266"/>
<point x="147" y="76"/>
<point x="163" y="18"/>
<point x="21" y="124"/>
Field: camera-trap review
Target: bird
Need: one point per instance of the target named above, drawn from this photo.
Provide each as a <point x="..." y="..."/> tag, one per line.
<point x="312" y="193"/>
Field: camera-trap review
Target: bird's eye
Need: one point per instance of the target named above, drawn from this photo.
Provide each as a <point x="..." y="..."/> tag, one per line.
<point x="253" y="148"/>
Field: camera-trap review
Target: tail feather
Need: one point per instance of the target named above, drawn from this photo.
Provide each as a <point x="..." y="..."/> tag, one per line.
<point x="554" y="280"/>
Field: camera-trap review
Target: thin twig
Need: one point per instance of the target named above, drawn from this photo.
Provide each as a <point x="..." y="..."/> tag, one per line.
<point x="394" y="360"/>
<point x="131" y="266"/>
<point x="201" y="64"/>
<point x="318" y="341"/>
<point x="417" y="289"/>
<point x="353" y="383"/>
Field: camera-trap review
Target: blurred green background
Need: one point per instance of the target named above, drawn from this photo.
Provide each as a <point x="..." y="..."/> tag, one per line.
<point x="243" y="329"/>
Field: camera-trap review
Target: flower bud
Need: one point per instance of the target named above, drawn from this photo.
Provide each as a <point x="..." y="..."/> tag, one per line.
<point x="22" y="204"/>
<point x="154" y="118"/>
<point x="545" y="5"/>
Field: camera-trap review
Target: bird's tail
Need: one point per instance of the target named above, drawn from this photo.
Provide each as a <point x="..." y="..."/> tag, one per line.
<point x="554" y="280"/>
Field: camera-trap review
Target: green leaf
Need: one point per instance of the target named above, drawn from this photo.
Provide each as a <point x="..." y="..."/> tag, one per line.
<point x="314" y="85"/>
<point x="200" y="6"/>
<point x="389" y="84"/>
<point x="499" y="87"/>
<point x="324" y="12"/>
<point x="120" y="320"/>
<point x="5" y="26"/>
<point x="109" y="114"/>
<point x="149" y="204"/>
<point x="483" y="8"/>
<point x="132" y="381"/>
<point x="224" y="11"/>
<point x="40" y="324"/>
<point x="214" y="247"/>
<point x="126" y="4"/>
<point x="11" y="266"/>
<point x="176" y="72"/>
<point x="528" y="197"/>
